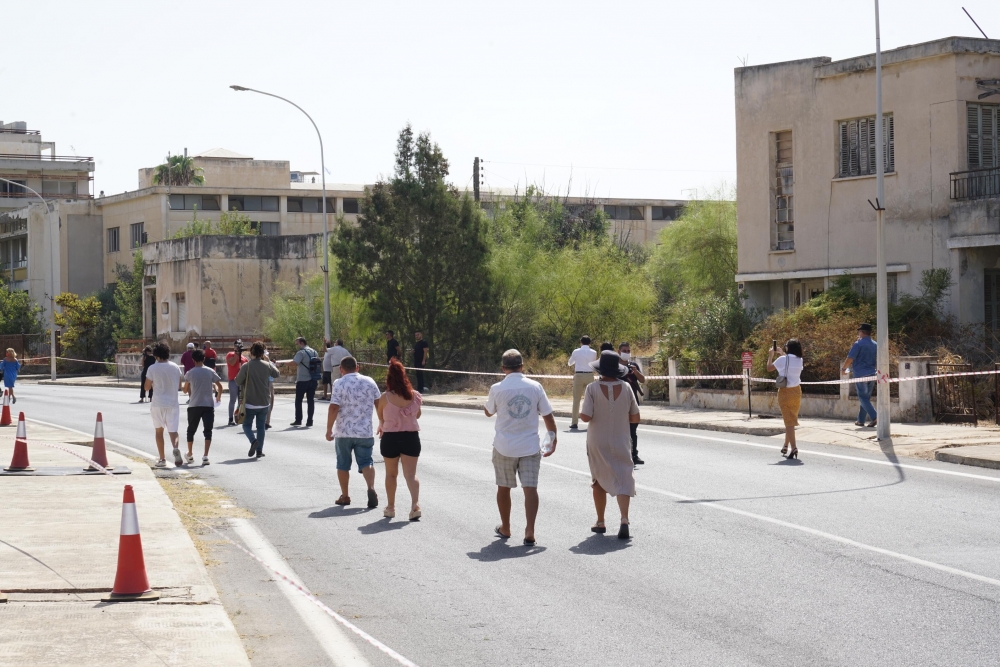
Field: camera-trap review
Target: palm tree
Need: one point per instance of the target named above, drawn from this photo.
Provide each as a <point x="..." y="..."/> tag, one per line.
<point x="178" y="170"/>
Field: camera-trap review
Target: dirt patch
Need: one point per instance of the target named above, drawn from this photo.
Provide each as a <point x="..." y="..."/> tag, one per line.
<point x="192" y="496"/>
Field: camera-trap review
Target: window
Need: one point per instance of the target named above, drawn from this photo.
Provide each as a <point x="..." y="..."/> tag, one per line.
<point x="294" y="204"/>
<point x="192" y="202"/>
<point x="180" y="314"/>
<point x="624" y="212"/>
<point x="136" y="234"/>
<point x="866" y="286"/>
<point x="13" y="189"/>
<point x="350" y="205"/>
<point x="253" y="203"/>
<point x="113" y="239"/>
<point x="667" y="212"/>
<point x="982" y="135"/>
<point x="58" y="187"/>
<point x="312" y="205"/>
<point x="856" y="142"/>
<point x="269" y="228"/>
<point x="784" y="212"/>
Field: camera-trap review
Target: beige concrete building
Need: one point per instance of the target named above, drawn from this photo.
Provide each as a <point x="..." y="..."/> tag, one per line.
<point x="805" y="133"/>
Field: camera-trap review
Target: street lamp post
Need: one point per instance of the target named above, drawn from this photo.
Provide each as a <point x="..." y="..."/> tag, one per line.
<point x="52" y="278"/>
<point x="326" y="227"/>
<point x="882" y="281"/>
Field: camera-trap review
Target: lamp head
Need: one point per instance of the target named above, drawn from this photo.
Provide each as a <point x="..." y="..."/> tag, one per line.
<point x="238" y="88"/>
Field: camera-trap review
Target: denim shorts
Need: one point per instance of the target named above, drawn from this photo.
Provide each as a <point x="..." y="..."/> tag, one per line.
<point x="362" y="448"/>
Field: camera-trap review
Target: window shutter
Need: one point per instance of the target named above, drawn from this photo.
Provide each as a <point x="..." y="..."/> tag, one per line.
<point x="852" y="135"/>
<point x="888" y="143"/>
<point x="972" y="113"/>
<point x="845" y="152"/>
<point x="863" y="147"/>
<point x="988" y="131"/>
<point x="870" y="144"/>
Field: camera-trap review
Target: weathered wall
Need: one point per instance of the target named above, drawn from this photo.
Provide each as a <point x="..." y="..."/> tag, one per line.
<point x="85" y="236"/>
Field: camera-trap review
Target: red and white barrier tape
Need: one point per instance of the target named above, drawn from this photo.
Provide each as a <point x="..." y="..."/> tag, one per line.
<point x="38" y="360"/>
<point x="312" y="598"/>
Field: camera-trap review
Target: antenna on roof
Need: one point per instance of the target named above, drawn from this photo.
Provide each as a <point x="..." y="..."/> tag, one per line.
<point x="974" y="22"/>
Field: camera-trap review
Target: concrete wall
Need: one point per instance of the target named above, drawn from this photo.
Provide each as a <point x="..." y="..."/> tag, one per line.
<point x="233" y="173"/>
<point x="85" y="237"/>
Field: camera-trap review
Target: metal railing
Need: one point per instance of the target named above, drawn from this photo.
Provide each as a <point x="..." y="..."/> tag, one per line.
<point x="13" y="130"/>
<point x="47" y="195"/>
<point x="975" y="184"/>
<point x="46" y="158"/>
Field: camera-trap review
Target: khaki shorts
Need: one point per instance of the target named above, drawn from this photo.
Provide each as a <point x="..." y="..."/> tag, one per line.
<point x="509" y="468"/>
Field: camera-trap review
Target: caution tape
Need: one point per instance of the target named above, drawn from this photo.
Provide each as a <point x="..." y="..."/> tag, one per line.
<point x="36" y="360"/>
<point x="312" y="598"/>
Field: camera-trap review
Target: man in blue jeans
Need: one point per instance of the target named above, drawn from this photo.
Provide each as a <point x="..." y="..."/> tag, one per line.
<point x="305" y="384"/>
<point x="352" y="403"/>
<point x="863" y="358"/>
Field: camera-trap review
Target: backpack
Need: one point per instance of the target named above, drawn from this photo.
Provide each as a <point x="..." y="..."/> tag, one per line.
<point x="315" y="364"/>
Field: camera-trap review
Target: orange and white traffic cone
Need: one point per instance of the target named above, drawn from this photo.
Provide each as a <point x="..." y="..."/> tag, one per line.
<point x="130" y="580"/>
<point x="98" y="453"/>
<point x="19" y="462"/>
<point x="5" y="416"/>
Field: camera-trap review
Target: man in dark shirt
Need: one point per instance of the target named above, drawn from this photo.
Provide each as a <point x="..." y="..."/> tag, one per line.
<point x="391" y="347"/>
<point x="421" y="351"/>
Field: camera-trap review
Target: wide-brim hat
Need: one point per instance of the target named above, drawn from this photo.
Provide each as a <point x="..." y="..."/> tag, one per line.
<point x="609" y="365"/>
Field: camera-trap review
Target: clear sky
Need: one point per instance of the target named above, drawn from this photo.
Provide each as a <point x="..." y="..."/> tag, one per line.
<point x="636" y="96"/>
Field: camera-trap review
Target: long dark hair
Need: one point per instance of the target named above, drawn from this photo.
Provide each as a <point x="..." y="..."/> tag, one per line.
<point x="396" y="380"/>
<point x="793" y="346"/>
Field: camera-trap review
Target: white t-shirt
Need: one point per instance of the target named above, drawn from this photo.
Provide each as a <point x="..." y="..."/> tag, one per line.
<point x="356" y="395"/>
<point x="581" y="358"/>
<point x="334" y="355"/>
<point x="791" y="367"/>
<point x="166" y="377"/>
<point x="517" y="403"/>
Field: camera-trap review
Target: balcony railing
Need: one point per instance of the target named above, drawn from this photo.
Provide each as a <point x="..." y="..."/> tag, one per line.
<point x="975" y="184"/>
<point x="47" y="158"/>
<point x="14" y="130"/>
<point x="48" y="195"/>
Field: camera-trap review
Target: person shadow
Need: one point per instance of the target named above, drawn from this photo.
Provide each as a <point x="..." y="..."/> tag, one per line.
<point x="502" y="550"/>
<point x="232" y="462"/>
<point x="788" y="462"/>
<point x="382" y="526"/>
<point x="337" y="510"/>
<point x="599" y="545"/>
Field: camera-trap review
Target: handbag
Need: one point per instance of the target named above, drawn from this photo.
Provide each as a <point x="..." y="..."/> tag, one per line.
<point x="782" y="381"/>
<point x="241" y="407"/>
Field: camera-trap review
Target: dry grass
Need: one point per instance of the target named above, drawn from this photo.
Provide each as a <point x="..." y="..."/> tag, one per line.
<point x="191" y="496"/>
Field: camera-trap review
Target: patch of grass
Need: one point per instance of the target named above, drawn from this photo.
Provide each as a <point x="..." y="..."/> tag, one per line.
<point x="208" y="504"/>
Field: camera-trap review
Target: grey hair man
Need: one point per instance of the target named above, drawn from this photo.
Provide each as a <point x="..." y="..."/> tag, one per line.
<point x="517" y="403"/>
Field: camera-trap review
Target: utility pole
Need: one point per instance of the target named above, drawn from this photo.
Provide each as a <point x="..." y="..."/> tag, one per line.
<point x="475" y="179"/>
<point x="882" y="281"/>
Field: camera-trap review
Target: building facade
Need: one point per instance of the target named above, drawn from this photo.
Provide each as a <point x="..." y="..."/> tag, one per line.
<point x="805" y="133"/>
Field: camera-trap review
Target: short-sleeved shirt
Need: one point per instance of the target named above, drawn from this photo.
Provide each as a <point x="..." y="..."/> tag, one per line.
<point x="202" y="380"/>
<point x="187" y="360"/>
<point x="789" y="366"/>
<point x="166" y="378"/>
<point x="356" y="395"/>
<point x="418" y="352"/>
<point x="301" y="359"/>
<point x="391" y="349"/>
<point x="210" y="357"/>
<point x="581" y="358"/>
<point x="864" y="353"/>
<point x="233" y="363"/>
<point x="334" y="356"/>
<point x="517" y="402"/>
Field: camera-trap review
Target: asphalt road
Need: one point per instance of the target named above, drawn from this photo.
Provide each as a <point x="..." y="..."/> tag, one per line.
<point x="738" y="557"/>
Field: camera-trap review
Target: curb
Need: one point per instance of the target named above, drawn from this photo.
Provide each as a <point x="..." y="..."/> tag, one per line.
<point x="947" y="457"/>
<point x="764" y="431"/>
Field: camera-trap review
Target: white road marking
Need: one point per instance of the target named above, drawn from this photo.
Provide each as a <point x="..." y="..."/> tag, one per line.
<point x="332" y="639"/>
<point x="784" y="524"/>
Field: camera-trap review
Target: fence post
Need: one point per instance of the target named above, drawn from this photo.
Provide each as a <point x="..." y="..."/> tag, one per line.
<point x="915" y="396"/>
<point x="845" y="389"/>
<point x="672" y="383"/>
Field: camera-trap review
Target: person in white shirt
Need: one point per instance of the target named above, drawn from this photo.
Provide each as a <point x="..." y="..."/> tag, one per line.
<point x="331" y="364"/>
<point x="165" y="377"/>
<point x="352" y="403"/>
<point x="517" y="402"/>
<point x="788" y="366"/>
<point x="584" y="375"/>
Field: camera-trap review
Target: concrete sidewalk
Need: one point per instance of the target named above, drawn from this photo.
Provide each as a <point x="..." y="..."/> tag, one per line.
<point x="58" y="556"/>
<point x="962" y="444"/>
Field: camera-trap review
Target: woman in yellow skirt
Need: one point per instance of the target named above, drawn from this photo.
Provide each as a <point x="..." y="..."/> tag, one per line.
<point x="789" y="368"/>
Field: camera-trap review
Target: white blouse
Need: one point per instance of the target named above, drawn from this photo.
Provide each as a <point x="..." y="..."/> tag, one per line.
<point x="791" y="367"/>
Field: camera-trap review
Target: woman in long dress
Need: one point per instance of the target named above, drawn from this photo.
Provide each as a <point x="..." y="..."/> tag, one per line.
<point x="609" y="406"/>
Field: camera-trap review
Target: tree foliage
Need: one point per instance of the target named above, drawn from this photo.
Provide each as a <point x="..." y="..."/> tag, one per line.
<point x="127" y="299"/>
<point x="418" y="255"/>
<point x="178" y="170"/>
<point x="18" y="313"/>
<point x="231" y="223"/>
<point x="80" y="321"/>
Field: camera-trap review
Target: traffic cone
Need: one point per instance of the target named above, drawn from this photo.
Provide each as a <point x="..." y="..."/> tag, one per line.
<point x="130" y="580"/>
<point x="19" y="463"/>
<point x="98" y="453"/>
<point x="5" y="416"/>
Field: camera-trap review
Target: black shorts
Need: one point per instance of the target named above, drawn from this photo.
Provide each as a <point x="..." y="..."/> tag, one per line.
<point x="206" y="416"/>
<point x="326" y="377"/>
<point x="400" y="442"/>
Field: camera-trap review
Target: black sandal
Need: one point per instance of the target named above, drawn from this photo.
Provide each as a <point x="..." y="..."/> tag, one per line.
<point x="499" y="534"/>
<point x="623" y="532"/>
<point x="599" y="527"/>
<point x="784" y="450"/>
<point x="529" y="543"/>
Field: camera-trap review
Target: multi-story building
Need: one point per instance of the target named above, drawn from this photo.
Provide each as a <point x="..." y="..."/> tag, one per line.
<point x="805" y="133"/>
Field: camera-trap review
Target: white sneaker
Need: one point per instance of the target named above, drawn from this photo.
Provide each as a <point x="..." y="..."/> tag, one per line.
<point x="204" y="460"/>
<point x="162" y="463"/>
<point x="189" y="458"/>
<point x="178" y="461"/>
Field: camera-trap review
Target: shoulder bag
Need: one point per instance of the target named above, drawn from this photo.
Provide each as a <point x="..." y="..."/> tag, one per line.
<point x="782" y="381"/>
<point x="241" y="407"/>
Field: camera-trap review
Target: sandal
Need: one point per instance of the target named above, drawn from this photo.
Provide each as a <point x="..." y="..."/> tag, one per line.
<point x="623" y="532"/>
<point x="343" y="500"/>
<point x="859" y="423"/>
<point x="784" y="450"/>
<point x="389" y="512"/>
<point x="415" y="515"/>
<point x="529" y="541"/>
<point x="499" y="534"/>
<point x="599" y="527"/>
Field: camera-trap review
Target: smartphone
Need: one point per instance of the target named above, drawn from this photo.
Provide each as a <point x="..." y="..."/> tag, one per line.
<point x="775" y="343"/>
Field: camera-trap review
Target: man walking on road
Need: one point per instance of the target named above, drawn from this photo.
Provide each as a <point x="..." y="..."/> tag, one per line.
<point x="517" y="402"/>
<point x="198" y="384"/>
<point x="633" y="378"/>
<point x="391" y="347"/>
<point x="327" y="370"/>
<point x="234" y="361"/>
<point x="165" y="377"/>
<point x="584" y="375"/>
<point x="352" y="403"/>
<point x="863" y="358"/>
<point x="421" y="351"/>
<point x="305" y="380"/>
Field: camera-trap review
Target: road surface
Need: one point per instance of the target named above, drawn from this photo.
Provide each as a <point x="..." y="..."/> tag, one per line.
<point x="738" y="556"/>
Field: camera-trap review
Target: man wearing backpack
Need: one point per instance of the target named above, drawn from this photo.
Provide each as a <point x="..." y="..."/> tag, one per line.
<point x="309" y="370"/>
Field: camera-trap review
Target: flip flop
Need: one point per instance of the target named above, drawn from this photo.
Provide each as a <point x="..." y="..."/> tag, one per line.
<point x="499" y="534"/>
<point x="599" y="529"/>
<point x="529" y="543"/>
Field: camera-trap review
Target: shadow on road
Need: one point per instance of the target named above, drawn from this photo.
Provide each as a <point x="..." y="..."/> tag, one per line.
<point x="502" y="550"/>
<point x="598" y="545"/>
<point x="788" y="462"/>
<point x="382" y="526"/>
<point x="337" y="510"/>
<point x="232" y="462"/>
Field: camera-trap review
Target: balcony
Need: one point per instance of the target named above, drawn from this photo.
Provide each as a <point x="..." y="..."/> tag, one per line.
<point x="975" y="184"/>
<point x="46" y="158"/>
